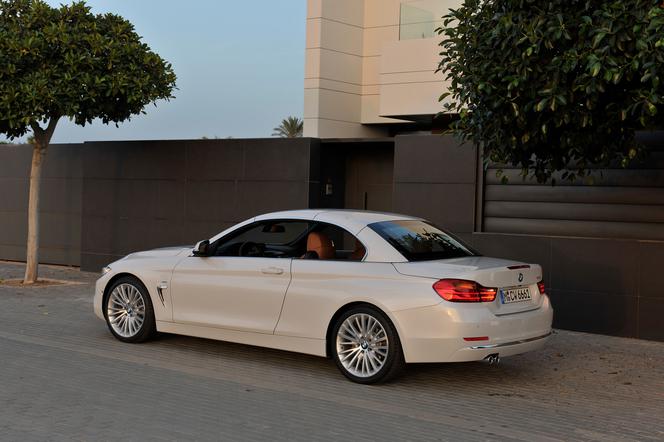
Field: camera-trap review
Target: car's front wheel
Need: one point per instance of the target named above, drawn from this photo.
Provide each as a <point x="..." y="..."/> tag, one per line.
<point x="366" y="346"/>
<point x="128" y="310"/>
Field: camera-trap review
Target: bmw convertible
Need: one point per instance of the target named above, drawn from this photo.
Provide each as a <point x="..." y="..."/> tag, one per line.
<point x="372" y="291"/>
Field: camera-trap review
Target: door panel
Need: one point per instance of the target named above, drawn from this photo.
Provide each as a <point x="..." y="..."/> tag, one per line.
<point x="240" y="293"/>
<point x="319" y="288"/>
<point x="369" y="179"/>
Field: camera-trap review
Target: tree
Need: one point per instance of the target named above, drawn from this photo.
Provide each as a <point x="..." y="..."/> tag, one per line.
<point x="291" y="127"/>
<point x="557" y="85"/>
<point x="69" y="63"/>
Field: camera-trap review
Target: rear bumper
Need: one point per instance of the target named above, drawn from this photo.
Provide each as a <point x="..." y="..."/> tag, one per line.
<point x="436" y="334"/>
<point x="479" y="352"/>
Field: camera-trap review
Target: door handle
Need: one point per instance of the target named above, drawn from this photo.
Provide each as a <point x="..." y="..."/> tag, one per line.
<point x="272" y="271"/>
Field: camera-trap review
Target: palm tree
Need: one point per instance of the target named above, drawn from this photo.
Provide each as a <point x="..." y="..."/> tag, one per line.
<point x="291" y="127"/>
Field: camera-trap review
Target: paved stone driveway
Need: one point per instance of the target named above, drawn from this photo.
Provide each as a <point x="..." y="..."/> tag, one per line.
<point x="63" y="377"/>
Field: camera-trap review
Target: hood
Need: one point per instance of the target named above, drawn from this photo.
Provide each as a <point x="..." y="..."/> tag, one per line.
<point x="161" y="252"/>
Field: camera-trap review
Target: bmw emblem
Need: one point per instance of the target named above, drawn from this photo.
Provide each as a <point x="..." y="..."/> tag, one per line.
<point x="520" y="277"/>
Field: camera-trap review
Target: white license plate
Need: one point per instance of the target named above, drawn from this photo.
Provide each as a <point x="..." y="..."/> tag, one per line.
<point x="519" y="294"/>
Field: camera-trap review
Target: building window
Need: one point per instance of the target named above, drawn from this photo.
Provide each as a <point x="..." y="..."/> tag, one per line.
<point x="420" y="18"/>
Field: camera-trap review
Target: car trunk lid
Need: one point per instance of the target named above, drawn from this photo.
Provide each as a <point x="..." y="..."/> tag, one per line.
<point x="516" y="281"/>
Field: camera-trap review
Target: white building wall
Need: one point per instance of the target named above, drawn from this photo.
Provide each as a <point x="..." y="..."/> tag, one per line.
<point x="359" y="75"/>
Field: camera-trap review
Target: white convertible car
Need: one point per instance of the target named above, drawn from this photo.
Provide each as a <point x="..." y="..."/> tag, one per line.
<point x="373" y="291"/>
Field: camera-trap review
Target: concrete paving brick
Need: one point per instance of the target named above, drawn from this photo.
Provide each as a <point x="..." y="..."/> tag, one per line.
<point x="64" y="377"/>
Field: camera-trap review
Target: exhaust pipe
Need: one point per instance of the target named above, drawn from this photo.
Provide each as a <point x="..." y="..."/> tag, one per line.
<point x="493" y="359"/>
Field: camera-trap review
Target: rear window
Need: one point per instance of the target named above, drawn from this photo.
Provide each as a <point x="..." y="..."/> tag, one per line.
<point x="420" y="241"/>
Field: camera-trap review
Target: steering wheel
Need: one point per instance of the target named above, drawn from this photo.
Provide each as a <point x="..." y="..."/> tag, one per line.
<point x="250" y="248"/>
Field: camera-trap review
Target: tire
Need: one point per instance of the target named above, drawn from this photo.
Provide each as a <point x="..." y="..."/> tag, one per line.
<point x="128" y="310"/>
<point x="366" y="347"/>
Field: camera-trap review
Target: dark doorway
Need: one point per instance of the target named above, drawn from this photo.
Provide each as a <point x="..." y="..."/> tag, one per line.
<point x="369" y="173"/>
<point x="356" y="174"/>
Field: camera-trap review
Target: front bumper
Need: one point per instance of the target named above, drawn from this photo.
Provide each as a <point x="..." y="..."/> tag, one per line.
<point x="436" y="334"/>
<point x="100" y="285"/>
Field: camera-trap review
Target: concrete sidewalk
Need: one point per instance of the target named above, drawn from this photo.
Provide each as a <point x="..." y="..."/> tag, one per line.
<point x="63" y="377"/>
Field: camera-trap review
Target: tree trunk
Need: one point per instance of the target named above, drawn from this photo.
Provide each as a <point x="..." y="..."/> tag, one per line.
<point x="42" y="138"/>
<point x="32" y="258"/>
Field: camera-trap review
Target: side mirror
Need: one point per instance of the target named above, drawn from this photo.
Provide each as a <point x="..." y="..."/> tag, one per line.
<point x="202" y="248"/>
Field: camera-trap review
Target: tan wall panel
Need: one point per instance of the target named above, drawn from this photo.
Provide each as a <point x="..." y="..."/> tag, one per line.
<point x="341" y="67"/>
<point x="409" y="85"/>
<point x="314" y="8"/>
<point x="370" y="111"/>
<point x="411" y="77"/>
<point x="346" y="11"/>
<point x="313" y="33"/>
<point x="373" y="89"/>
<point x="375" y="39"/>
<point x="371" y="71"/>
<point x="410" y="99"/>
<point x="381" y="12"/>
<point x="311" y="126"/>
<point x="311" y="105"/>
<point x="410" y="56"/>
<point x="340" y="86"/>
<point x="341" y="37"/>
<point x="312" y="63"/>
<point x="339" y="106"/>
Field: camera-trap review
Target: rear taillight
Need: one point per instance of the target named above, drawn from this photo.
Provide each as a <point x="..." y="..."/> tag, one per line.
<point x="540" y="286"/>
<point x="460" y="290"/>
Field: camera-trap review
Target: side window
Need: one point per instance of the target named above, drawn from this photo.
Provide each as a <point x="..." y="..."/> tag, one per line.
<point x="267" y="239"/>
<point x="330" y="242"/>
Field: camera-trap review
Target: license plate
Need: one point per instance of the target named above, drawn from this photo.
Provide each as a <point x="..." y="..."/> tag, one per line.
<point x="519" y="294"/>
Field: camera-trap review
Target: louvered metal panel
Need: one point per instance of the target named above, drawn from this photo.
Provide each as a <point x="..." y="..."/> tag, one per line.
<point x="619" y="203"/>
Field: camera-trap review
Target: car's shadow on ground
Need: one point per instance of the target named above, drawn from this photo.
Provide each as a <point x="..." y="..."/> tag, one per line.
<point x="295" y="365"/>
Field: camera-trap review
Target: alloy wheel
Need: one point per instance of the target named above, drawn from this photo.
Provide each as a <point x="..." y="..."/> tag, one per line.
<point x="362" y="345"/>
<point x="126" y="310"/>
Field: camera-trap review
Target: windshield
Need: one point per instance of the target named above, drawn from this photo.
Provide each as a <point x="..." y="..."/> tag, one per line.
<point x="420" y="241"/>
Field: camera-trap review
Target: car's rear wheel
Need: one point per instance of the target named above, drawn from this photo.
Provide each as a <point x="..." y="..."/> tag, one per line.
<point x="128" y="310"/>
<point x="366" y="346"/>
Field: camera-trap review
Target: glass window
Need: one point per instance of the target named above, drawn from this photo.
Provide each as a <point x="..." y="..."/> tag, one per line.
<point x="420" y="18"/>
<point x="334" y="243"/>
<point x="420" y="241"/>
<point x="269" y="239"/>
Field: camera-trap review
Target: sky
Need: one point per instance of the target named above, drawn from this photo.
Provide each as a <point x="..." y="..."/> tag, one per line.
<point x="240" y="68"/>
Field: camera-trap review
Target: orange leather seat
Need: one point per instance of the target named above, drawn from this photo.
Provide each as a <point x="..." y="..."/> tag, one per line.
<point x="321" y="244"/>
<point x="359" y="252"/>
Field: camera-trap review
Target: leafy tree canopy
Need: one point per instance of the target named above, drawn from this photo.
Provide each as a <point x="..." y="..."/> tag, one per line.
<point x="68" y="62"/>
<point x="545" y="84"/>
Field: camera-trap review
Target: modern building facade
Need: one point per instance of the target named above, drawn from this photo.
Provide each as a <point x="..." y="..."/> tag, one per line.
<point x="370" y="67"/>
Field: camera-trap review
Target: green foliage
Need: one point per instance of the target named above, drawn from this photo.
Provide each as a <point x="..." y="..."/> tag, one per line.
<point x="68" y="62"/>
<point x="545" y="85"/>
<point x="291" y="127"/>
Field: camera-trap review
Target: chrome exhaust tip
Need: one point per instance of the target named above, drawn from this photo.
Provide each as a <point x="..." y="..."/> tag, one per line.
<point x="493" y="359"/>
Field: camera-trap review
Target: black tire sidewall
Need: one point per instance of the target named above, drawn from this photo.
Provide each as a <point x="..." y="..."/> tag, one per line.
<point x="395" y="360"/>
<point x="148" y="327"/>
